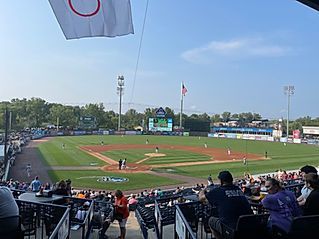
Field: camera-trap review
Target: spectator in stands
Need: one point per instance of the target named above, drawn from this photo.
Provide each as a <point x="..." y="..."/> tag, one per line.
<point x="81" y="213"/>
<point x="197" y="188"/>
<point x="229" y="201"/>
<point x="178" y="190"/>
<point x="68" y="186"/>
<point x="35" y="185"/>
<point x="61" y="189"/>
<point x="121" y="211"/>
<point x="80" y="195"/>
<point x="8" y="208"/>
<point x="106" y="224"/>
<point x="210" y="180"/>
<point x="312" y="202"/>
<point x="159" y="193"/>
<point x="305" y="191"/>
<point x="132" y="200"/>
<point x="47" y="186"/>
<point x="282" y="206"/>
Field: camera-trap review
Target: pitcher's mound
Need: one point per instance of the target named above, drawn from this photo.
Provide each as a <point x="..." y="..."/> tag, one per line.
<point x="155" y="155"/>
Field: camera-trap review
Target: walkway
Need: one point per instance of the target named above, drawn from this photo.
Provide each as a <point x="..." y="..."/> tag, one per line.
<point x="29" y="155"/>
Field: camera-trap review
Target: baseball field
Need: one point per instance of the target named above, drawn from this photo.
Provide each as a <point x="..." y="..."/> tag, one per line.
<point x="91" y="161"/>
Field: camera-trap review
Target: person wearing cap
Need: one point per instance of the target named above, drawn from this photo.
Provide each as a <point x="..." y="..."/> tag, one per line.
<point x="229" y="201"/>
<point x="305" y="191"/>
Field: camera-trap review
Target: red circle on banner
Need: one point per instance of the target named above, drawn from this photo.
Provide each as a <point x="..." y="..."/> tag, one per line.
<point x="87" y="14"/>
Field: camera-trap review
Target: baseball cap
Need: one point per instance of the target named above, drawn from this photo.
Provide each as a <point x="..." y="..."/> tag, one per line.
<point x="87" y="203"/>
<point x="225" y="176"/>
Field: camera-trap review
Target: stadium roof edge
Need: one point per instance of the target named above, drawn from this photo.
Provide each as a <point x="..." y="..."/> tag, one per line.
<point x="311" y="3"/>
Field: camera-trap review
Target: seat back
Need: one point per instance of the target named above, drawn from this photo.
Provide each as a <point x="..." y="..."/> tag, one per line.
<point x="252" y="226"/>
<point x="304" y="227"/>
<point x="10" y="227"/>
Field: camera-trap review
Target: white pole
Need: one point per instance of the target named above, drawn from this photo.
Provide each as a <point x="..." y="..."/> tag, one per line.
<point x="181" y="115"/>
<point x="57" y="123"/>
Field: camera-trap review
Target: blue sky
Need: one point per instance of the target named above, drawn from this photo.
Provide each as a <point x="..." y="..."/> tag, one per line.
<point x="231" y="55"/>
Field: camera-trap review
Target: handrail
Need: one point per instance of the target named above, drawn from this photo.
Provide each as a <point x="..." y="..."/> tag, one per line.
<point x="64" y="224"/>
<point x="179" y="216"/>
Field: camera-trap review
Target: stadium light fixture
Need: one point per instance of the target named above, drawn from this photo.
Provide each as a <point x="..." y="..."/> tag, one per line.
<point x="120" y="88"/>
<point x="289" y="91"/>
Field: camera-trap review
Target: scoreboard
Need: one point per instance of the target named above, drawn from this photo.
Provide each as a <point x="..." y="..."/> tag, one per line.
<point x="160" y="124"/>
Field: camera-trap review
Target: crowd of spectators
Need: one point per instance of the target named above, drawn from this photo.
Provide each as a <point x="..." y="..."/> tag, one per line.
<point x="231" y="197"/>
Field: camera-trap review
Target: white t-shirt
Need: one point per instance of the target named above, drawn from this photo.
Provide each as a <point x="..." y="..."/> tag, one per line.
<point x="305" y="192"/>
<point x="80" y="215"/>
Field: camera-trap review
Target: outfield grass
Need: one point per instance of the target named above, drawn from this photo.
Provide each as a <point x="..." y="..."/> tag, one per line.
<point x="253" y="167"/>
<point x="171" y="156"/>
<point x="136" y="180"/>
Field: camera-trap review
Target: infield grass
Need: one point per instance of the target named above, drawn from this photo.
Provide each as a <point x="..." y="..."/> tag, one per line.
<point x="83" y="179"/>
<point x="171" y="156"/>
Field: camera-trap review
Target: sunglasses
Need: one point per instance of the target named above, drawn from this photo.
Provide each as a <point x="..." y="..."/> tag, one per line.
<point x="268" y="187"/>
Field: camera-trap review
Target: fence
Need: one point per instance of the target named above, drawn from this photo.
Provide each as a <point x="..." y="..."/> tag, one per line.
<point x="41" y="220"/>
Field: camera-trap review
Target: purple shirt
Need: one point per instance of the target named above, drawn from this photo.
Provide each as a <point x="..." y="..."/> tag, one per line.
<point x="282" y="207"/>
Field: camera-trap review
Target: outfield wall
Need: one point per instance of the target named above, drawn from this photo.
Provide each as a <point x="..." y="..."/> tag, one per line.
<point x="241" y="136"/>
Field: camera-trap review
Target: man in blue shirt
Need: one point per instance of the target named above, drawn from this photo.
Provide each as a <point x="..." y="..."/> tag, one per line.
<point x="229" y="201"/>
<point x="35" y="185"/>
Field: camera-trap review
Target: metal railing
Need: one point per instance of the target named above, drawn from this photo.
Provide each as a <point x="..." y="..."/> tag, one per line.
<point x="40" y="220"/>
<point x="182" y="227"/>
<point x="62" y="230"/>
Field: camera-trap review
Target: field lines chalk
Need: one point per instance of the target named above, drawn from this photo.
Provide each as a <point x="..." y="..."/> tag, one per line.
<point x="143" y="160"/>
<point x="100" y="156"/>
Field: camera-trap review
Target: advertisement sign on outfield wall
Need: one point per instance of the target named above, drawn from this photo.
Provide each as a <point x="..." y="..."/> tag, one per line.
<point x="310" y="130"/>
<point x="297" y="141"/>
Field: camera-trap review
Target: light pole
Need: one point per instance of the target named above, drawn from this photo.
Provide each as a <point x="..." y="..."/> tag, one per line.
<point x="289" y="91"/>
<point x="120" y="88"/>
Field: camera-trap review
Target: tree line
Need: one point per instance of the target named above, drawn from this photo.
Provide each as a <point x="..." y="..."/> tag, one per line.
<point x="36" y="112"/>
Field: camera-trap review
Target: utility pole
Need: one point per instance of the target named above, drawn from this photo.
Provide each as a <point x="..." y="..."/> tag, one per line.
<point x="120" y="88"/>
<point x="289" y="91"/>
<point x="6" y="126"/>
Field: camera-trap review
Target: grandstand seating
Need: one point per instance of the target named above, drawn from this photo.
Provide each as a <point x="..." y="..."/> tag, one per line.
<point x="248" y="227"/>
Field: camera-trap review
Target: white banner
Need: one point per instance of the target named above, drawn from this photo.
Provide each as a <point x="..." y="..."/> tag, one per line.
<point x="92" y="18"/>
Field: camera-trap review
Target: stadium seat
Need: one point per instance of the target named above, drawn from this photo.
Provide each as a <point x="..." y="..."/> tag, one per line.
<point x="13" y="232"/>
<point x="304" y="227"/>
<point x="248" y="227"/>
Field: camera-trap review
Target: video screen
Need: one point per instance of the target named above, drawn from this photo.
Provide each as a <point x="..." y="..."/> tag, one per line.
<point x="160" y="124"/>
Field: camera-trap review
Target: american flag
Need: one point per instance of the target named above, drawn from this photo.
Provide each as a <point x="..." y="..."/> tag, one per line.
<point x="184" y="90"/>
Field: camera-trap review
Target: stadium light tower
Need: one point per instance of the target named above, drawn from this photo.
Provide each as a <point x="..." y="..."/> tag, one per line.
<point x="289" y="91"/>
<point x="120" y="88"/>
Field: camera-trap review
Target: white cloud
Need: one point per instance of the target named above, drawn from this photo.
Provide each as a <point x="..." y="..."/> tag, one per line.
<point x="234" y="49"/>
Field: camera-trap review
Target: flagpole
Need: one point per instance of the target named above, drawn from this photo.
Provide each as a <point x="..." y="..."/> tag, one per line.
<point x="181" y="115"/>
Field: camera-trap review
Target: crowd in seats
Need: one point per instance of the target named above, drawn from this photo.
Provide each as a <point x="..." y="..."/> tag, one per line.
<point x="253" y="188"/>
